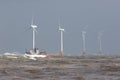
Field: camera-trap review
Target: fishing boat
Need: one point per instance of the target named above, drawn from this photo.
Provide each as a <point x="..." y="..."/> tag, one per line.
<point x="33" y="54"/>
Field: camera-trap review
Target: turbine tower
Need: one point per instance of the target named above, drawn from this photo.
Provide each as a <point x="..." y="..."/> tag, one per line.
<point x="61" y="31"/>
<point x="84" y="43"/>
<point x="34" y="30"/>
<point x="100" y="34"/>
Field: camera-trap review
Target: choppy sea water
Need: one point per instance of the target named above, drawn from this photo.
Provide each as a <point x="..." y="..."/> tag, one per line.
<point x="67" y="68"/>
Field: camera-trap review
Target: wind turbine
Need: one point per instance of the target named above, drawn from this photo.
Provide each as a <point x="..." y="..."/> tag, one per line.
<point x="34" y="53"/>
<point x="84" y="43"/>
<point x="61" y="32"/>
<point x="34" y="30"/>
<point x="100" y="34"/>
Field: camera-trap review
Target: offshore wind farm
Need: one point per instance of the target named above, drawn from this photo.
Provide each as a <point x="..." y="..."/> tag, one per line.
<point x="35" y="46"/>
<point x="73" y="44"/>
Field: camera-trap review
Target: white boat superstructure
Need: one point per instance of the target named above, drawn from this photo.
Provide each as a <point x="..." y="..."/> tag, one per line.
<point x="33" y="54"/>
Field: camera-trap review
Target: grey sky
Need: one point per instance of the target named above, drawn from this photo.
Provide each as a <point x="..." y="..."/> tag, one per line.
<point x="74" y="15"/>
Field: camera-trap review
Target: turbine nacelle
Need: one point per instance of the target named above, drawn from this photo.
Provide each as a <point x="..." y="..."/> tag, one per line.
<point x="83" y="32"/>
<point x="33" y="26"/>
<point x="61" y="29"/>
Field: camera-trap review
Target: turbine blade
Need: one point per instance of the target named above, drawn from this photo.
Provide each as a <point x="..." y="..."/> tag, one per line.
<point x="32" y="21"/>
<point x="28" y="29"/>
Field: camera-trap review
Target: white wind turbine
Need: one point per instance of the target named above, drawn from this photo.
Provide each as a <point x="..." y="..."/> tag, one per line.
<point x="100" y="34"/>
<point x="84" y="42"/>
<point x="61" y="30"/>
<point x="34" y="30"/>
<point x="34" y="53"/>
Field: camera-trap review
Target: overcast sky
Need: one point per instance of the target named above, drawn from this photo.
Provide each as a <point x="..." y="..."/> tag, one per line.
<point x="93" y="16"/>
